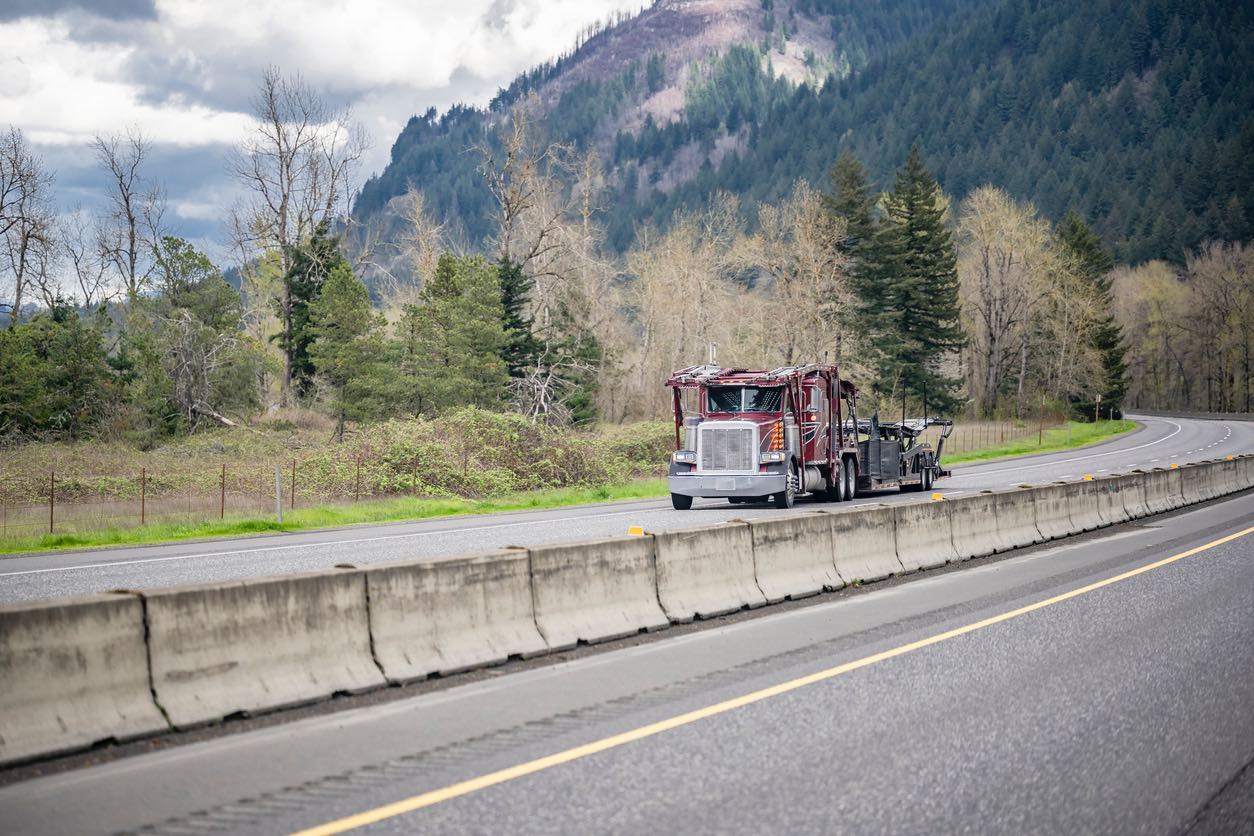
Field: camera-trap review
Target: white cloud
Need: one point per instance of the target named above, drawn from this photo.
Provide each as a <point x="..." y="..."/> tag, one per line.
<point x="183" y="77"/>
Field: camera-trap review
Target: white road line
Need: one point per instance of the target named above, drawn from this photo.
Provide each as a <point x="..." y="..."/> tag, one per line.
<point x="1077" y="459"/>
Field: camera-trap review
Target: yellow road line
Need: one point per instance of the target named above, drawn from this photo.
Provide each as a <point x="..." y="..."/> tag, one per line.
<point x="433" y="797"/>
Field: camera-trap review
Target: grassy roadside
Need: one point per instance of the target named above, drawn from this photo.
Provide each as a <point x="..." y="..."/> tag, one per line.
<point x="329" y="516"/>
<point x="1053" y="440"/>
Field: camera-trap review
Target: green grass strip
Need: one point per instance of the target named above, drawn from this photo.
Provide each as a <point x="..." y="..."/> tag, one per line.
<point x="397" y="509"/>
<point x="1053" y="439"/>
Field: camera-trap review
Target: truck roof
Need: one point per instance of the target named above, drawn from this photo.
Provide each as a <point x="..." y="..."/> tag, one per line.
<point x="710" y="375"/>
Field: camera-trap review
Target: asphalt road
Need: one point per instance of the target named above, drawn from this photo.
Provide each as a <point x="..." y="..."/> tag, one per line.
<point x="1158" y="443"/>
<point x="1100" y="685"/>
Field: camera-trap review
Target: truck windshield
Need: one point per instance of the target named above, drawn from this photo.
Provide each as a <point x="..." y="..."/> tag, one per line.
<point x="745" y="398"/>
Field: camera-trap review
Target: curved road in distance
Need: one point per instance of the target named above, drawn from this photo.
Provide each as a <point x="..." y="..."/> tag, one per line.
<point x="1158" y="443"/>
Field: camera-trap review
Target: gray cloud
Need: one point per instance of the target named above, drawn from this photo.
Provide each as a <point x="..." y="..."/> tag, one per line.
<point x="111" y="9"/>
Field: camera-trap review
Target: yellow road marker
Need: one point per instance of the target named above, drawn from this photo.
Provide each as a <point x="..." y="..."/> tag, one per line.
<point x="1173" y="464"/>
<point x="636" y="531"/>
<point x="936" y="497"/>
<point x="1088" y="477"/>
<point x="1228" y="458"/>
<point x="429" y="799"/>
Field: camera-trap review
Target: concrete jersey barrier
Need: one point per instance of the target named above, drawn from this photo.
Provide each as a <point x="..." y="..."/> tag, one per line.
<point x="1194" y="485"/>
<point x="703" y="572"/>
<point x="1245" y="472"/>
<point x="976" y="529"/>
<point x="865" y="543"/>
<point x="73" y="673"/>
<point x="1084" y="506"/>
<point x="257" y="645"/>
<point x="1016" y="517"/>
<point x="1162" y="491"/>
<point x="452" y="614"/>
<point x="1112" y="495"/>
<point x="924" y="535"/>
<point x="1053" y="511"/>
<point x="595" y="591"/>
<point x="793" y="557"/>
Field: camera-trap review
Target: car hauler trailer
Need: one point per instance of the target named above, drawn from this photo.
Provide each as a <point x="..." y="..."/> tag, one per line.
<point x="756" y="435"/>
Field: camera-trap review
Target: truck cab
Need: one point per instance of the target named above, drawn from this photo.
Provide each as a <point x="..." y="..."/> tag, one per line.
<point x="752" y="434"/>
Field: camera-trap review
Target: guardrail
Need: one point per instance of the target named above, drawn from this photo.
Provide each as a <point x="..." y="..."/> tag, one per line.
<point x="77" y="672"/>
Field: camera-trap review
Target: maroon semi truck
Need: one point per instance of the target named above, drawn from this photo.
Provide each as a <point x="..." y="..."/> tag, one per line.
<point x="774" y="435"/>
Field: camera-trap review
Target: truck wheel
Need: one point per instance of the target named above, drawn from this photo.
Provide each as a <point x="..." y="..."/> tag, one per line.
<point x="680" y="502"/>
<point x="786" y="497"/>
<point x="851" y="479"/>
<point x="927" y="479"/>
<point x="836" y="493"/>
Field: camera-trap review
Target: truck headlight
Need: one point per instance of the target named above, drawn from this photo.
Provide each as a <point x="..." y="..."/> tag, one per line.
<point x="773" y="456"/>
<point x="684" y="457"/>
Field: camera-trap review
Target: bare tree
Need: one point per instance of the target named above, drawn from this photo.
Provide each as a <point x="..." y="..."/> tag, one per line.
<point x="527" y="184"/>
<point x="1005" y="263"/>
<point x="797" y="251"/>
<point x="26" y="222"/>
<point x="193" y="355"/>
<point x="297" y="168"/>
<point x="398" y="267"/>
<point x="133" y="223"/>
<point x="80" y="251"/>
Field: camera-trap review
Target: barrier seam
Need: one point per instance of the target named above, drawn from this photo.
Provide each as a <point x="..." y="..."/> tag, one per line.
<point x="374" y="657"/>
<point x="753" y="558"/>
<point x="657" y="582"/>
<point x="152" y="682"/>
<point x="531" y="590"/>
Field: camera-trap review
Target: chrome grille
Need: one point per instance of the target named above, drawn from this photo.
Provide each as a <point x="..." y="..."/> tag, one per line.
<point x="728" y="448"/>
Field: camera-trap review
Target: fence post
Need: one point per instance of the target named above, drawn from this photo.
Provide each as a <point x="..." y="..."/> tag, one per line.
<point x="278" y="492"/>
<point x="143" y="495"/>
<point x="52" y="499"/>
<point x="222" y="494"/>
<point x="357" y="490"/>
<point x="413" y="477"/>
<point x="292" y="499"/>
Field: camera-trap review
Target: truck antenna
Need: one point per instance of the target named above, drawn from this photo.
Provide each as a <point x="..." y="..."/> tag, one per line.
<point x="713" y="353"/>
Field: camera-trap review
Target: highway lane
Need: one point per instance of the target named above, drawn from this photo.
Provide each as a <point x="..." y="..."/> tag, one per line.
<point x="1158" y="443"/>
<point x="1097" y="685"/>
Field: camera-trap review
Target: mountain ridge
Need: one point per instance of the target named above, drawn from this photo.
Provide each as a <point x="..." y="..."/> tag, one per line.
<point x="1086" y="108"/>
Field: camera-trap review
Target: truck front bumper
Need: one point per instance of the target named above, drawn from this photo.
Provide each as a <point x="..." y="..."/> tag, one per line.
<point x="712" y="485"/>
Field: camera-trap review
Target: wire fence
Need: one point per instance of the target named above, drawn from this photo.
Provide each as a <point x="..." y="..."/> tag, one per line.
<point x="63" y="503"/>
<point x="973" y="436"/>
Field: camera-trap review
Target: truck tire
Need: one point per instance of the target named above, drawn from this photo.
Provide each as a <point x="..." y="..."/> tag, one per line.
<point x="786" y="497"/>
<point x="836" y="493"/>
<point x="851" y="480"/>
<point x="680" y="502"/>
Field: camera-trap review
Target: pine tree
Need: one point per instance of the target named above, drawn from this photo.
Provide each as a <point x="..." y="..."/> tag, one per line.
<point x="850" y="197"/>
<point x="1095" y="265"/>
<point x="520" y="346"/>
<point x="911" y="277"/>
<point x="311" y="263"/>
<point x="344" y="346"/>
<point x="452" y="340"/>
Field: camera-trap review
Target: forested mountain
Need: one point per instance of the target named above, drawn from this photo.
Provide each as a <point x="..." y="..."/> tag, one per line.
<point x="1139" y="114"/>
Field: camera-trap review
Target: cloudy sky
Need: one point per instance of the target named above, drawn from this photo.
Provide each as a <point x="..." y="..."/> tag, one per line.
<point x="182" y="72"/>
